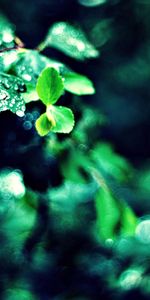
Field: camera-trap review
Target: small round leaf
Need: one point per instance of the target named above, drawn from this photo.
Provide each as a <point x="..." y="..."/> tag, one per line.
<point x="63" y="118"/>
<point x="43" y="125"/>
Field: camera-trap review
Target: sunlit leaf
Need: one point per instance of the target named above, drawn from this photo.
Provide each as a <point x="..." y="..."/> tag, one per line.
<point x="43" y="125"/>
<point x="49" y="86"/>
<point x="63" y="118"/>
<point x="70" y="40"/>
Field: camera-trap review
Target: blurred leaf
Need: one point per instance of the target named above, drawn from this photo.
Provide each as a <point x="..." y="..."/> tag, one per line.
<point x="76" y="166"/>
<point x="61" y="117"/>
<point x="12" y="189"/>
<point x="7" y="35"/>
<point x="89" y="125"/>
<point x="133" y="73"/>
<point x="78" y="84"/>
<point x="7" y="59"/>
<point x="92" y="3"/>
<point x="108" y="214"/>
<point x="114" y="216"/>
<point x="128" y="221"/>
<point x="101" y="32"/>
<point x="110" y="162"/>
<point x="70" y="40"/>
<point x="49" y="86"/>
<point x="70" y="194"/>
<point x="18" y="293"/>
<point x="20" y="222"/>
<point x="11" y="99"/>
<point x="143" y="180"/>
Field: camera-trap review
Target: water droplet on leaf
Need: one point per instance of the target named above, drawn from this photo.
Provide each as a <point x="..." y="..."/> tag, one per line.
<point x="20" y="113"/>
<point x="10" y="94"/>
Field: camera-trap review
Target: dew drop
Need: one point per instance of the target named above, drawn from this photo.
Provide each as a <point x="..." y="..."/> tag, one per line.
<point x="29" y="117"/>
<point x="27" y="125"/>
<point x="27" y="77"/>
<point x="4" y="95"/>
<point x="6" y="83"/>
<point x="21" y="88"/>
<point x="16" y="87"/>
<point x="20" y="113"/>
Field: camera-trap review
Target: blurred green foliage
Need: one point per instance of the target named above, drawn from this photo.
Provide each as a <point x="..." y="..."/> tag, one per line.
<point x="92" y="217"/>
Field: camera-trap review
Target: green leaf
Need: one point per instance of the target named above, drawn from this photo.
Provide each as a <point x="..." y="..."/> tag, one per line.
<point x="114" y="216"/>
<point x="28" y="66"/>
<point x="76" y="166"/>
<point x="88" y="126"/>
<point x="128" y="220"/>
<point x="70" y="40"/>
<point x="78" y="84"/>
<point x="108" y="214"/>
<point x="30" y="94"/>
<point x="11" y="99"/>
<point x="49" y="86"/>
<point x="7" y="59"/>
<point x="62" y="118"/>
<point x="43" y="125"/>
<point x="15" y="292"/>
<point x="92" y="3"/>
<point x="111" y="163"/>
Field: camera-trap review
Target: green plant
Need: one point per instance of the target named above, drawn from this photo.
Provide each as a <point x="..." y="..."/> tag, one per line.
<point x="26" y="75"/>
<point x="29" y="76"/>
<point x="56" y="118"/>
<point x="74" y="211"/>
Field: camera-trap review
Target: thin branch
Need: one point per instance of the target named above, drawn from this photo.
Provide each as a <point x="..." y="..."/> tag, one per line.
<point x="8" y="49"/>
<point x="19" y="44"/>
